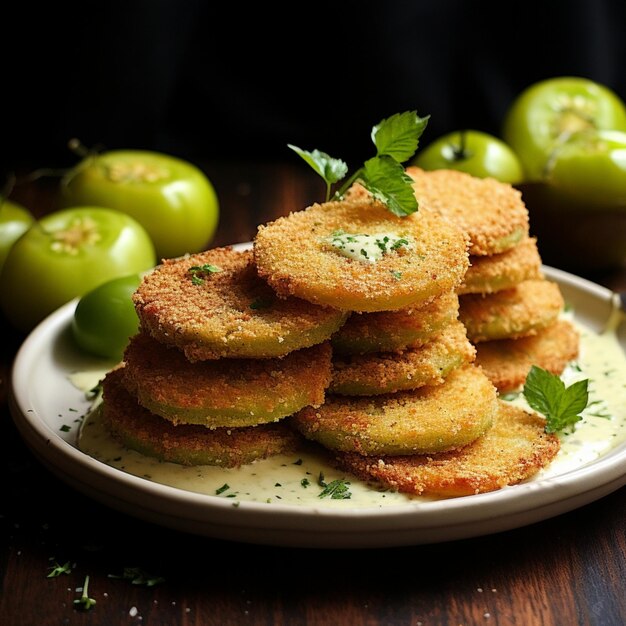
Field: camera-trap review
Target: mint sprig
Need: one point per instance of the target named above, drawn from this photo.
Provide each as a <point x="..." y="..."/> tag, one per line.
<point x="396" y="139"/>
<point x="547" y="394"/>
<point x="331" y="170"/>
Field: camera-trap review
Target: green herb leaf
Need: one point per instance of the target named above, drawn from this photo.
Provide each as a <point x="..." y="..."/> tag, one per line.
<point x="331" y="170"/>
<point x="388" y="182"/>
<point x="336" y="489"/>
<point x="560" y="405"/>
<point x="398" y="136"/>
<point x="396" y="139"/>
<point x="222" y="489"/>
<point x="200" y="272"/>
<point x="57" y="570"/>
<point x="85" y="602"/>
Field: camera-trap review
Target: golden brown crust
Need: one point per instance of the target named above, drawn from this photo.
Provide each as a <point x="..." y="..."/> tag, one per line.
<point x="226" y="392"/>
<point x="491" y="212"/>
<point x="390" y="331"/>
<point x="514" y="449"/>
<point x="373" y="374"/>
<point x="507" y="362"/>
<point x="488" y="274"/>
<point x="429" y="419"/>
<point x="140" y="430"/>
<point x="232" y="313"/>
<point x="293" y="255"/>
<point x="511" y="313"/>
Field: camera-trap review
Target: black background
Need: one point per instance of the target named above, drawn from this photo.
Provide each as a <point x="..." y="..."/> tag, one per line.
<point x="213" y="80"/>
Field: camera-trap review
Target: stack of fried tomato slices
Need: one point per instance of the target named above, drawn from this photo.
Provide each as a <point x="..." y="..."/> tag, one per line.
<point x="382" y="340"/>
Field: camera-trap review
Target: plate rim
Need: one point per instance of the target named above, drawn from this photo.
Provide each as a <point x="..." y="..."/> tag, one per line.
<point x="576" y="487"/>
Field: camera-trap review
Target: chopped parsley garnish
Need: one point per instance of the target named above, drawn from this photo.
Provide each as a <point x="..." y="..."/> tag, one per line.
<point x="85" y="602"/>
<point x="547" y="394"/>
<point x="367" y="248"/>
<point x="336" y="489"/>
<point x="57" y="570"/>
<point x="200" y="272"/>
<point x="396" y="139"/>
<point x="222" y="489"/>
<point x="305" y="482"/>
<point x="65" y="428"/>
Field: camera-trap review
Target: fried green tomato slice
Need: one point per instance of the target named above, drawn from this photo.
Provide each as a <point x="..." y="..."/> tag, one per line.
<point x="391" y="331"/>
<point x="227" y="392"/>
<point x="511" y="313"/>
<point x="491" y="212"/>
<point x="139" y="430"/>
<point x="506" y="362"/>
<point x="304" y="255"/>
<point x="374" y="374"/>
<point x="513" y="450"/>
<point x="213" y="304"/>
<point x="488" y="274"/>
<point x="426" y="420"/>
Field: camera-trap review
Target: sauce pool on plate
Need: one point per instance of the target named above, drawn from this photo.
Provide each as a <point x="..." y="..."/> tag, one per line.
<point x="305" y="478"/>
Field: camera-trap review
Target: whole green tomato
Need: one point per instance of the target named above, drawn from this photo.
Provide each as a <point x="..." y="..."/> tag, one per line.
<point x="578" y="211"/>
<point x="546" y="114"/>
<point x="64" y="255"/>
<point x="171" y="198"/>
<point x="105" y="318"/>
<point x="590" y="168"/>
<point x="473" y="152"/>
<point x="15" y="220"/>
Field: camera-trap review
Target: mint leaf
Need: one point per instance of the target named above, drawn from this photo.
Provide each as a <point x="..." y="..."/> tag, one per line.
<point x="398" y="135"/>
<point x="547" y="394"/>
<point x="331" y="170"/>
<point x="388" y="182"/>
<point x="396" y="139"/>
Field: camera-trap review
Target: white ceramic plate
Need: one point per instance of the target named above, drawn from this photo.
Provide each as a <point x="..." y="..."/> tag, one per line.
<point x="43" y="400"/>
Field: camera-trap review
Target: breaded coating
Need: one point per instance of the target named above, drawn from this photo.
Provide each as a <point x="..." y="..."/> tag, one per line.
<point x="228" y="313"/>
<point x="507" y="362"/>
<point x="511" y="313"/>
<point x="374" y="374"/>
<point x="426" y="420"/>
<point x="514" y="449"/>
<point x="227" y="392"/>
<point x="138" y="429"/>
<point x="391" y="331"/>
<point x="488" y="274"/>
<point x="491" y="212"/>
<point x="294" y="255"/>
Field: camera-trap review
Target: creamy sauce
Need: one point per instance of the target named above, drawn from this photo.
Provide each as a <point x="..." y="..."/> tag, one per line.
<point x="368" y="248"/>
<point x="293" y="478"/>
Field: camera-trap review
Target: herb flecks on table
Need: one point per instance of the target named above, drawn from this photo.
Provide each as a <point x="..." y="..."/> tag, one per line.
<point x="396" y="139"/>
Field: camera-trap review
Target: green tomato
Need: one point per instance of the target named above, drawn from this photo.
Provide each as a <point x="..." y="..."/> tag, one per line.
<point x="547" y="113"/>
<point x="64" y="255"/>
<point x="15" y="220"/>
<point x="590" y="168"/>
<point x="171" y="198"/>
<point x="473" y="152"/>
<point x="578" y="211"/>
<point x="105" y="318"/>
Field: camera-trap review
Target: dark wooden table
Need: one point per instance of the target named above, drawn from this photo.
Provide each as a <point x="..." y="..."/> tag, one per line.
<point x="568" y="570"/>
